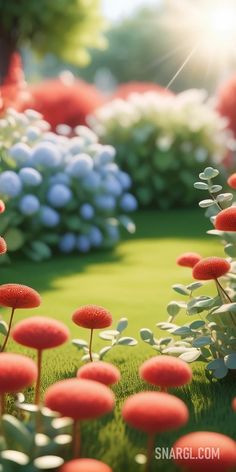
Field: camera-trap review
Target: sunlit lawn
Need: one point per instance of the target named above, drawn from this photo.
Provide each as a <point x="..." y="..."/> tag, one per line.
<point x="134" y="281"/>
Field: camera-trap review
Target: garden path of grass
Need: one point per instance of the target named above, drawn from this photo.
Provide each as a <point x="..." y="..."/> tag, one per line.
<point x="135" y="281"/>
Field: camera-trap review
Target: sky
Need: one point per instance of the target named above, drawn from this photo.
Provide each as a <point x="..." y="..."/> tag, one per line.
<point x="117" y="9"/>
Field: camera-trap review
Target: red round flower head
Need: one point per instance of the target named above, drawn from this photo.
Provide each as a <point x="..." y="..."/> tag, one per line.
<point x="80" y="399"/>
<point x="197" y="442"/>
<point x="188" y="259"/>
<point x="85" y="465"/>
<point x="3" y="246"/>
<point x="226" y="219"/>
<point x="210" y="268"/>
<point x="102" y="372"/>
<point x="19" y="296"/>
<point x="40" y="333"/>
<point x="234" y="404"/>
<point x="2" y="206"/>
<point x="166" y="371"/>
<point x="232" y="181"/>
<point x="154" y="412"/>
<point x="92" y="317"/>
<point x="16" y="372"/>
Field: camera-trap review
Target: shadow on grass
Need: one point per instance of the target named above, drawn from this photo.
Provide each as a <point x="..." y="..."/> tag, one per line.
<point x="150" y="224"/>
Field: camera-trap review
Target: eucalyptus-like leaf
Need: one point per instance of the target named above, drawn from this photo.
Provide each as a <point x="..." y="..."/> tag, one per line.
<point x="226" y="308"/>
<point x="165" y="341"/>
<point x="16" y="432"/>
<point x="181" y="289"/>
<point x="63" y="439"/>
<point x="86" y="357"/>
<point x="230" y="250"/>
<point x="215" y="188"/>
<point x="122" y="324"/>
<point x="194" y="286"/>
<point x="206" y="203"/>
<point x="127" y="341"/>
<point x="167" y="326"/>
<point x="147" y="335"/>
<point x="109" y="334"/>
<point x="215" y="364"/>
<point x="224" y="197"/>
<point x="197" y="324"/>
<point x="208" y="173"/>
<point x="215" y="232"/>
<point x="182" y="331"/>
<point x="173" y="309"/>
<point x="202" y="341"/>
<point x="48" y="462"/>
<point x="191" y="355"/>
<point x="221" y="372"/>
<point x="3" y="328"/>
<point x="41" y="440"/>
<point x="79" y="343"/>
<point x="176" y="350"/>
<point x="104" y="351"/>
<point x="61" y="423"/>
<point x="200" y="186"/>
<point x="16" y="457"/>
<point x="230" y="360"/>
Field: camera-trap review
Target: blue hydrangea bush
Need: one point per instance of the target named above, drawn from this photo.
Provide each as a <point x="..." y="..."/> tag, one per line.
<point x="63" y="192"/>
<point x="163" y="141"/>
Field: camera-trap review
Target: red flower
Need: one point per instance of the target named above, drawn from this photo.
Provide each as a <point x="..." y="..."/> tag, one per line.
<point x="40" y="333"/>
<point x="85" y="465"/>
<point x="80" y="399"/>
<point x="19" y="296"/>
<point x="232" y="181"/>
<point x="2" y="206"/>
<point x="154" y="412"/>
<point x="227" y="102"/>
<point x="3" y="246"/>
<point x="208" y="441"/>
<point x="166" y="371"/>
<point x="226" y="219"/>
<point x="92" y="317"/>
<point x="210" y="268"/>
<point x="100" y="371"/>
<point x="16" y="372"/>
<point x="188" y="259"/>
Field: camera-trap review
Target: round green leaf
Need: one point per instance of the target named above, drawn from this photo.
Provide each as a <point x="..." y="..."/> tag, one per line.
<point x="127" y="341"/>
<point x="15" y="456"/>
<point x="122" y="324"/>
<point x="230" y="361"/>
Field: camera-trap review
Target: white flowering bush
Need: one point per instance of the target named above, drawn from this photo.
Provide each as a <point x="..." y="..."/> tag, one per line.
<point x="163" y="141"/>
<point x="64" y="193"/>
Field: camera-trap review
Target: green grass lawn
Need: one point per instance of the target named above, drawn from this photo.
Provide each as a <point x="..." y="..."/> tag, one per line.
<point x="134" y="281"/>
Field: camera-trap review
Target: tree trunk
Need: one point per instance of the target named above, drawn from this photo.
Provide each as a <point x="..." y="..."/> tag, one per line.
<point x="7" y="48"/>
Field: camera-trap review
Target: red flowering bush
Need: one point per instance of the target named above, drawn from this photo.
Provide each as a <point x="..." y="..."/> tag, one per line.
<point x="124" y="90"/>
<point x="19" y="296"/>
<point x="226" y="102"/>
<point x="65" y="102"/>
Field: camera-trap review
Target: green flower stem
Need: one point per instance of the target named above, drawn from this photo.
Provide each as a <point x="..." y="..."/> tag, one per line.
<point x="76" y="439"/>
<point x="150" y="450"/>
<point x="90" y="345"/>
<point x="38" y="383"/>
<point x="9" y="330"/>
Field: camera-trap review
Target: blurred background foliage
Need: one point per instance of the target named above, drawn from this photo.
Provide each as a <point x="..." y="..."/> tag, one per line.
<point x="141" y="47"/>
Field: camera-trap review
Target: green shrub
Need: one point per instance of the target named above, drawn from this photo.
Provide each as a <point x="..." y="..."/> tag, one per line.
<point x="163" y="142"/>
